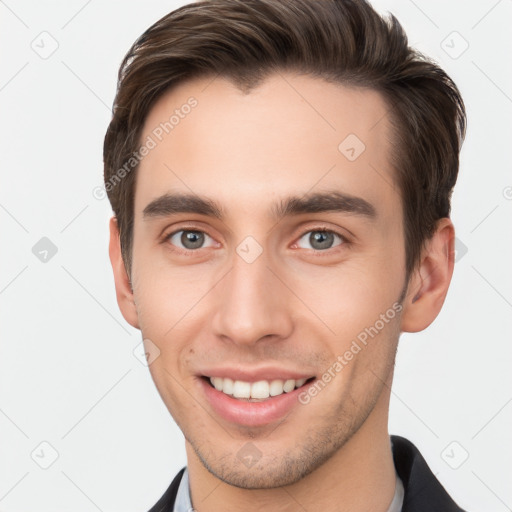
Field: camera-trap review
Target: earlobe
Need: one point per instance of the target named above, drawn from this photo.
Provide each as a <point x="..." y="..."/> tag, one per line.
<point x="124" y="292"/>
<point x="429" y="282"/>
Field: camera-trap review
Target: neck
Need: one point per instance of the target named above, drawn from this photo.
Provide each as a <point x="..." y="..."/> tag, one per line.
<point x="360" y="476"/>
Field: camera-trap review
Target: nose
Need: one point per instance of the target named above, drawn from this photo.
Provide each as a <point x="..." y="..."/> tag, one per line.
<point x="253" y="303"/>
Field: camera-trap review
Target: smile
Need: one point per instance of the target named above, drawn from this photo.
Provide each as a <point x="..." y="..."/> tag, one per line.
<point x="261" y="389"/>
<point x="252" y="404"/>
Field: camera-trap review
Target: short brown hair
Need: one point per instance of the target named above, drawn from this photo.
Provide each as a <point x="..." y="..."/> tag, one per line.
<point x="340" y="41"/>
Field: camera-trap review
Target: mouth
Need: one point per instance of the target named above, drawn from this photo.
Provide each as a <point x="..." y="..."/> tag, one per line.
<point x="258" y="391"/>
<point x="251" y="404"/>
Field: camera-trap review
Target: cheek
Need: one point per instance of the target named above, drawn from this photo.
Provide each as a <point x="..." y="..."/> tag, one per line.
<point x="352" y="296"/>
<point x="172" y="310"/>
<point x="165" y="294"/>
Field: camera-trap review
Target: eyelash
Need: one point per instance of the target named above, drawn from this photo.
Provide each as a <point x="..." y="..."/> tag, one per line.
<point x="319" y="229"/>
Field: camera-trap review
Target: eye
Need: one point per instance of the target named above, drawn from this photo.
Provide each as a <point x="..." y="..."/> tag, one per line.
<point x="190" y="240"/>
<point x="321" y="239"/>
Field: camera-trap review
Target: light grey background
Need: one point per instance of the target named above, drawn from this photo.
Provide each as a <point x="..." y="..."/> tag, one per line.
<point x="68" y="374"/>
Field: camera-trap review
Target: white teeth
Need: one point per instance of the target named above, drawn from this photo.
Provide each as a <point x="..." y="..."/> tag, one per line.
<point x="261" y="389"/>
<point x="227" y="386"/>
<point x="217" y="382"/>
<point x="241" y="389"/>
<point x="300" y="382"/>
<point x="289" y="385"/>
<point x="276" y="387"/>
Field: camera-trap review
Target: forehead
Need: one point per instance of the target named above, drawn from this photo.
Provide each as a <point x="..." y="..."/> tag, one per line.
<point x="289" y="136"/>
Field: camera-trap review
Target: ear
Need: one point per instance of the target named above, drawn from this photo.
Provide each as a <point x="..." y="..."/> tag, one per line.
<point x="124" y="292"/>
<point x="429" y="282"/>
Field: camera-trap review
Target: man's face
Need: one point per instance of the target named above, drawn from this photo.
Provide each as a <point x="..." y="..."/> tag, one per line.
<point x="259" y="296"/>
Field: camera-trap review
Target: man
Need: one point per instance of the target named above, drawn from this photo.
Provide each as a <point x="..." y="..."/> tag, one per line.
<point x="280" y="174"/>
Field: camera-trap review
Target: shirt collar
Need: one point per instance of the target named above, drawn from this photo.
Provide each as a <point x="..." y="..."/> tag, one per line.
<point x="184" y="503"/>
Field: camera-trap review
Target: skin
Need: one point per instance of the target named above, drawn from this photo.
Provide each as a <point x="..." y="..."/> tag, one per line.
<point x="296" y="305"/>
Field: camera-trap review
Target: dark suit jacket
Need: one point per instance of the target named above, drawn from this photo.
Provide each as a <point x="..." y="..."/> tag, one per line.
<point x="423" y="492"/>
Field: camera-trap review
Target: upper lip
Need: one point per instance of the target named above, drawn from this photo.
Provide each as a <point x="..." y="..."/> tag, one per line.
<point x="255" y="374"/>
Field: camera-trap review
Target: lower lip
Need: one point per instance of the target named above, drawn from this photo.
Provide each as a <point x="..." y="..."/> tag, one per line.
<point x="251" y="414"/>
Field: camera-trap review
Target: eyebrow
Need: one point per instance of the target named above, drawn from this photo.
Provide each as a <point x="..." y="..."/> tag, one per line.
<point x="331" y="201"/>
